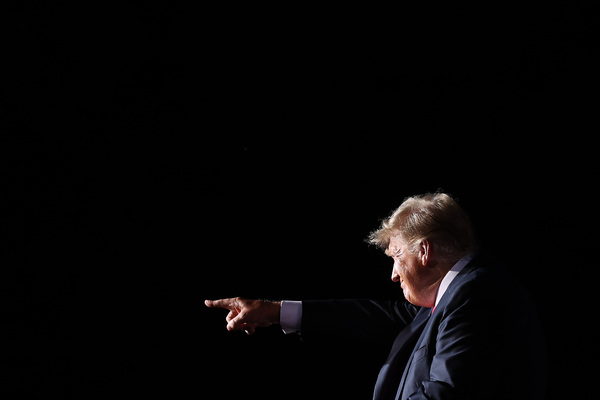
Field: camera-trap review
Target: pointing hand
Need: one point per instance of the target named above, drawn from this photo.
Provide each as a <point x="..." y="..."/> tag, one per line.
<point x="247" y="314"/>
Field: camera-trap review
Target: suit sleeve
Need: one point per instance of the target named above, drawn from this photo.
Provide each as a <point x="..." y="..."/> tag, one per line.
<point x="367" y="320"/>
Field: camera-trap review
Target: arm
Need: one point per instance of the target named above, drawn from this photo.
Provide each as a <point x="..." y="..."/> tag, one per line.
<point x="361" y="319"/>
<point x="366" y="319"/>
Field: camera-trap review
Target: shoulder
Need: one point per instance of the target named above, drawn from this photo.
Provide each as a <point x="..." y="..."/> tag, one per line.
<point x="486" y="284"/>
<point x="487" y="274"/>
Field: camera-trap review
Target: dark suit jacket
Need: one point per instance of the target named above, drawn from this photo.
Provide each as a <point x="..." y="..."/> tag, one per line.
<point x="483" y="341"/>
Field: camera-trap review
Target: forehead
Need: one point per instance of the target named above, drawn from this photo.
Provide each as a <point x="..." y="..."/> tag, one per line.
<point x="396" y="243"/>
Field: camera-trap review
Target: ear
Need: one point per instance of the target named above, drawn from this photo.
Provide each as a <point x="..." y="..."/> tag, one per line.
<point x="425" y="252"/>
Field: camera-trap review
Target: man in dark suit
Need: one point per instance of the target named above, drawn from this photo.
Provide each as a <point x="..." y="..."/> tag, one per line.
<point x="464" y="330"/>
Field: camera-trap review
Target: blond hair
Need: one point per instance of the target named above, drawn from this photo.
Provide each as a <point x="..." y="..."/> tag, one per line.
<point x="436" y="217"/>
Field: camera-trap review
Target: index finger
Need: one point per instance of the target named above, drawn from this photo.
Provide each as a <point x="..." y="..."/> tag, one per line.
<point x="221" y="303"/>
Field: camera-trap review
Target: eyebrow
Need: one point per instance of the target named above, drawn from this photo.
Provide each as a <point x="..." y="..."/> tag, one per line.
<point x="391" y="252"/>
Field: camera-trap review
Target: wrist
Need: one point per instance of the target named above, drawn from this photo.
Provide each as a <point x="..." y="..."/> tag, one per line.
<point x="274" y="312"/>
<point x="270" y="310"/>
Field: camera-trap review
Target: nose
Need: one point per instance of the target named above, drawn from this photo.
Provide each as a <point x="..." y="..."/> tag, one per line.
<point x="395" y="276"/>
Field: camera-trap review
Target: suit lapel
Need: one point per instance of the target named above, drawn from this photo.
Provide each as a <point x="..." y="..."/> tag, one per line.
<point x="454" y="285"/>
<point x="423" y="319"/>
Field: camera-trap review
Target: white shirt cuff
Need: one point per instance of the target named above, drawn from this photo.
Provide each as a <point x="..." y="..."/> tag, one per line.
<point x="290" y="317"/>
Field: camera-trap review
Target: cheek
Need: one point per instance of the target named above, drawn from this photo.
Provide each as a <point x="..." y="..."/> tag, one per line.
<point x="409" y="275"/>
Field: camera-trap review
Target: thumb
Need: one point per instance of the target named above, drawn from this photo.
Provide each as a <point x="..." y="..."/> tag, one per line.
<point x="248" y="329"/>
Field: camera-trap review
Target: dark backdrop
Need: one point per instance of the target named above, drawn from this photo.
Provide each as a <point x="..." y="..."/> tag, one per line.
<point x="157" y="154"/>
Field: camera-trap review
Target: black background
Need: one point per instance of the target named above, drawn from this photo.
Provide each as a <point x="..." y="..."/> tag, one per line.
<point x="160" y="153"/>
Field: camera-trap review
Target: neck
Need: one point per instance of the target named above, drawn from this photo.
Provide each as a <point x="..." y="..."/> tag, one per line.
<point x="436" y="275"/>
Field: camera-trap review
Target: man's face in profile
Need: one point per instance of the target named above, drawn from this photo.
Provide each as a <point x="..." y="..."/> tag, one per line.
<point x="409" y="271"/>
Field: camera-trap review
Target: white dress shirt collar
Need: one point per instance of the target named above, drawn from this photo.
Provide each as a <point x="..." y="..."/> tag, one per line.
<point x="451" y="275"/>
